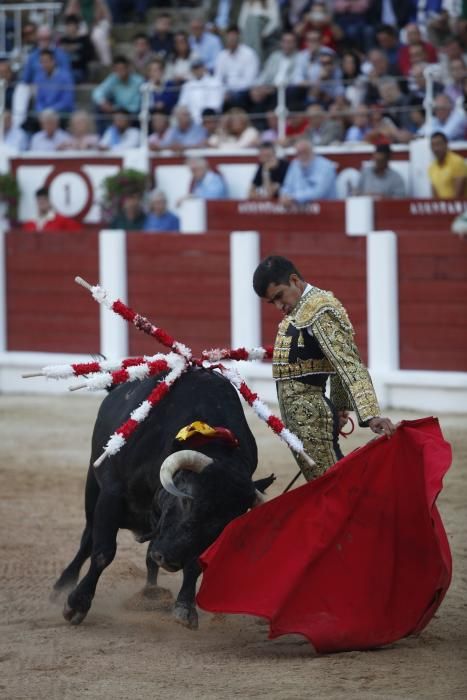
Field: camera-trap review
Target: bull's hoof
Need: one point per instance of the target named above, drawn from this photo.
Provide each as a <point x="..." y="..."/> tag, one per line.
<point x="186" y="616"/>
<point x="76" y="608"/>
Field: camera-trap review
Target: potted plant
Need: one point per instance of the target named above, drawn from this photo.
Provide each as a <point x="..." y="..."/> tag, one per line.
<point x="115" y="187"/>
<point x="9" y="197"/>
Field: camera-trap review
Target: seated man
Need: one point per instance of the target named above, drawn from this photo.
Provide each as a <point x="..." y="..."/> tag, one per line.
<point x="33" y="65"/>
<point x="448" y="172"/>
<point x="309" y="177"/>
<point x="120" y="135"/>
<point x="78" y="47"/>
<point x="185" y="133"/>
<point x="159" y="217"/>
<point x="206" y="183"/>
<point x="50" y="137"/>
<point x="55" y="87"/>
<point x="379" y="180"/>
<point x="269" y="175"/>
<point x="131" y="216"/>
<point x="121" y="89"/>
<point x="48" y="220"/>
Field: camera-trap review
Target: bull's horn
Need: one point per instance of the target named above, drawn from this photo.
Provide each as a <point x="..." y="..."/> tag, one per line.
<point x="260" y="498"/>
<point x="184" y="459"/>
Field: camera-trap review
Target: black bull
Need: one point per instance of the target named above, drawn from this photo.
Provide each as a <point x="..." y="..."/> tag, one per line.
<point x="126" y="492"/>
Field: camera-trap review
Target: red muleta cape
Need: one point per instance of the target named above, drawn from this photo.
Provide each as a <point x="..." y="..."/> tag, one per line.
<point x="357" y="559"/>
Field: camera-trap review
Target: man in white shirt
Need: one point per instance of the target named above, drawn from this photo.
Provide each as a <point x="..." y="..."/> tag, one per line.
<point x="50" y="137"/>
<point x="201" y="92"/>
<point x="237" y="65"/>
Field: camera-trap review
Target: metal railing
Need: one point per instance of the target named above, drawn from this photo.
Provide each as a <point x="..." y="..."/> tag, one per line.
<point x="11" y="20"/>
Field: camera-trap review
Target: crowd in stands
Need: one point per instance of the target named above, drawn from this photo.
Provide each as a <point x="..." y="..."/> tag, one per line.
<point x="353" y="71"/>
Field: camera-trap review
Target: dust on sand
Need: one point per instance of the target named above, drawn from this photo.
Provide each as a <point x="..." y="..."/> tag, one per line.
<point x="123" y="650"/>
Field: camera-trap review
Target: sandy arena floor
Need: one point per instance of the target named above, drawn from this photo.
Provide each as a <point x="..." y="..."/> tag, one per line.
<point x="122" y="651"/>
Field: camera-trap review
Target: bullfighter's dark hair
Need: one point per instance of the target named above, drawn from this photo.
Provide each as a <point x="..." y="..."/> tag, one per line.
<point x="273" y="270"/>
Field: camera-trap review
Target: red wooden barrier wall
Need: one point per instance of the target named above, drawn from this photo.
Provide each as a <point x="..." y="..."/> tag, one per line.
<point x="181" y="283"/>
<point x="432" y="300"/>
<point x="46" y="310"/>
<point x="417" y="214"/>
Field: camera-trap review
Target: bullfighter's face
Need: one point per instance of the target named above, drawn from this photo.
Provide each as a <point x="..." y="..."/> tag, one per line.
<point x="285" y="297"/>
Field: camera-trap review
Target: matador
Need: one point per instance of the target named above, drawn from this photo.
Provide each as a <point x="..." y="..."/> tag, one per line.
<point x="314" y="343"/>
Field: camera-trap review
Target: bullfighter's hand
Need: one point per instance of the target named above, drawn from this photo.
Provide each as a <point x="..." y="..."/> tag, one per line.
<point x="343" y="417"/>
<point x="382" y="426"/>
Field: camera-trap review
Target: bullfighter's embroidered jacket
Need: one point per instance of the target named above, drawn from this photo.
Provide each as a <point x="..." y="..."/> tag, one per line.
<point x="315" y="341"/>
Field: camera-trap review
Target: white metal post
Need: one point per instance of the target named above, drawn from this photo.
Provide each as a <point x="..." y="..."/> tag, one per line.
<point x="245" y="314"/>
<point x="3" y="301"/>
<point x="113" y="277"/>
<point x="382" y="302"/>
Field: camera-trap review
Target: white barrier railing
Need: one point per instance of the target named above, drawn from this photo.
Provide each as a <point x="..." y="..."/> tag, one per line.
<point x="17" y="11"/>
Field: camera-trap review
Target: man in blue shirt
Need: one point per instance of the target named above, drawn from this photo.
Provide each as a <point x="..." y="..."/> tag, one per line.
<point x="55" y="88"/>
<point x="206" y="183"/>
<point x="121" y="88"/>
<point x="203" y="44"/>
<point x="184" y="133"/>
<point x="309" y="177"/>
<point x="160" y="218"/>
<point x="33" y="63"/>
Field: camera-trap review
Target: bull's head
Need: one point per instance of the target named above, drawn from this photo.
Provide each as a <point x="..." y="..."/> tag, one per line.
<point x="195" y="509"/>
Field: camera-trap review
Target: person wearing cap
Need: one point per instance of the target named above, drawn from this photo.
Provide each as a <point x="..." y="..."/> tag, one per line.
<point x="378" y="179"/>
<point x="201" y="92"/>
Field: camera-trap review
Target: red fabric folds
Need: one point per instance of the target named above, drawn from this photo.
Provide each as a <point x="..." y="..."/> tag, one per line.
<point x="354" y="560"/>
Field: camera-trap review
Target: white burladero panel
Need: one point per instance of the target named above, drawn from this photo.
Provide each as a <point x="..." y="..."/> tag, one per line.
<point x="238" y="177"/>
<point x="174" y="181"/>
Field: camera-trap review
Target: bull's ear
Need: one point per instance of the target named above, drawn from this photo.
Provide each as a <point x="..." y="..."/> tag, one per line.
<point x="263" y="484"/>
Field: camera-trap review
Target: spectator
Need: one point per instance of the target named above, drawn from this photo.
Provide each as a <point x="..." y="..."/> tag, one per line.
<point x="360" y="125"/>
<point x="449" y="119"/>
<point x="352" y="78"/>
<point x="184" y="133"/>
<point x="6" y="74"/>
<point x="202" y="91"/>
<point x="47" y="219"/>
<point x="131" y="216"/>
<point x="160" y="129"/>
<point x="159" y="217"/>
<point x="55" y="88"/>
<point x="120" y="136"/>
<point x="281" y="64"/>
<point x="387" y="39"/>
<point x="19" y="55"/>
<point x="394" y="103"/>
<point x="141" y="53"/>
<point x="223" y="14"/>
<point x="81" y="133"/>
<point x="448" y="172"/>
<point x="205" y="183"/>
<point x="328" y="84"/>
<point x="125" y="10"/>
<point x="78" y="47"/>
<point x="179" y="67"/>
<point x="164" y="93"/>
<point x="162" y="39"/>
<point x="322" y="130"/>
<point x="14" y="137"/>
<point x="236" y="66"/>
<point x="210" y="121"/>
<point x="457" y="74"/>
<point x="270" y="173"/>
<point x="98" y="22"/>
<point x="351" y="17"/>
<point x="382" y="128"/>
<point x="378" y="179"/>
<point x="309" y="177"/>
<point x="204" y="44"/>
<point x="307" y="68"/>
<point x="120" y="90"/>
<point x="295" y="127"/>
<point x="394" y="12"/>
<point x="319" y="18"/>
<point x="258" y="21"/>
<point x="33" y="64"/>
<point x="235" y="132"/>
<point x="413" y="37"/>
<point x="50" y="137"/>
<point x="377" y="67"/>
<point x="417" y="83"/>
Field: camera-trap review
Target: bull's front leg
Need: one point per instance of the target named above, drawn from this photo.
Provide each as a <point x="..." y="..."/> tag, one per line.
<point x="107" y="518"/>
<point x="185" y="609"/>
